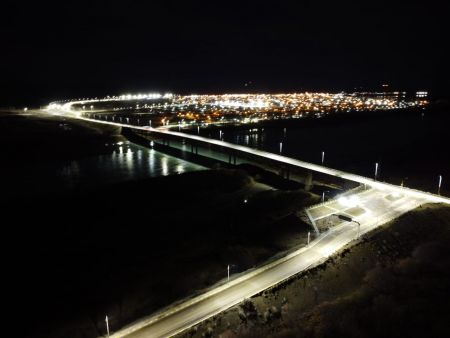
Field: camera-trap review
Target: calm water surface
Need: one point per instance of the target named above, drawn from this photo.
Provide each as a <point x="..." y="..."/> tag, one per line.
<point x="126" y="162"/>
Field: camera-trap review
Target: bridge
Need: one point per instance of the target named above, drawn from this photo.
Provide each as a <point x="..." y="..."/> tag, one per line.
<point x="233" y="150"/>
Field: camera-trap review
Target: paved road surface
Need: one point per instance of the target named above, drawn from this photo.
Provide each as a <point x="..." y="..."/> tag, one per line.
<point x="188" y="314"/>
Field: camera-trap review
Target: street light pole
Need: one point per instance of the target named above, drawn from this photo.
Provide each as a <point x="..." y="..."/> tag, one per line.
<point x="323" y="195"/>
<point x="376" y="170"/>
<point x="323" y="157"/>
<point x="228" y="272"/>
<point x="439" y="185"/>
<point x="309" y="237"/>
<point x="349" y="219"/>
<point x="107" y="326"/>
<point x="281" y="147"/>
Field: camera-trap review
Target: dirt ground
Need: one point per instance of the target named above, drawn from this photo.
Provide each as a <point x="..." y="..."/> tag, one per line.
<point x="394" y="282"/>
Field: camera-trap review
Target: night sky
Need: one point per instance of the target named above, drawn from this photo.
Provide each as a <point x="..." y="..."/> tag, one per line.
<point x="75" y="48"/>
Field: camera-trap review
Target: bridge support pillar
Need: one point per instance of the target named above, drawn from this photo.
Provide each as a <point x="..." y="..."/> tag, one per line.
<point x="234" y="159"/>
<point x="308" y="181"/>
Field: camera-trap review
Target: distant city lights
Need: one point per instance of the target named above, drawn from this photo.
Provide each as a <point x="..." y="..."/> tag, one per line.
<point x="170" y="109"/>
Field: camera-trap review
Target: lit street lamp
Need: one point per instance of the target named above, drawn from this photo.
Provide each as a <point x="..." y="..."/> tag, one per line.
<point x="281" y="147"/>
<point x="376" y="170"/>
<point x="349" y="219"/>
<point x="228" y="272"/>
<point x="323" y="157"/>
<point x="309" y="237"/>
<point x="439" y="184"/>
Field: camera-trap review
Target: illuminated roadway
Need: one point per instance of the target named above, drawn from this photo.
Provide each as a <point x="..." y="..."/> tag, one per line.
<point x="185" y="315"/>
<point x="264" y="154"/>
<point x="377" y="210"/>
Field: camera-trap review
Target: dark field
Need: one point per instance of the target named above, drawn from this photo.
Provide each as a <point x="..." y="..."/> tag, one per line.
<point x="130" y="249"/>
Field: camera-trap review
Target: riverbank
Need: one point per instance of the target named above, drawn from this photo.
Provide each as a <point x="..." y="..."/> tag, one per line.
<point x="48" y="137"/>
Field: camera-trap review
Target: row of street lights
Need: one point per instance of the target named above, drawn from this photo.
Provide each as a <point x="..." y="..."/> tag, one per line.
<point x="376" y="170"/>
<point x="281" y="150"/>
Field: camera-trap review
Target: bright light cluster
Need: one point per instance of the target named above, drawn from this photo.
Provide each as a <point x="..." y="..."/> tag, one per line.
<point x="238" y="108"/>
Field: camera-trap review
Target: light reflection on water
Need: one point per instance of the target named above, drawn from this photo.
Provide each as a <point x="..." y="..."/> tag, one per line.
<point x="127" y="161"/>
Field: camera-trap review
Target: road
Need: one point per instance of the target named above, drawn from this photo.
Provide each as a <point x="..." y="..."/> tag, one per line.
<point x="265" y="154"/>
<point x="179" y="318"/>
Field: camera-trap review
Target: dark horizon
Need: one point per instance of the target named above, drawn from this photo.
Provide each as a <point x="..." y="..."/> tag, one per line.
<point x="81" y="49"/>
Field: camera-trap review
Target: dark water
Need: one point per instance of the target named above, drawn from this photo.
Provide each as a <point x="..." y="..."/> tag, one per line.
<point x="127" y="161"/>
<point x="409" y="146"/>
